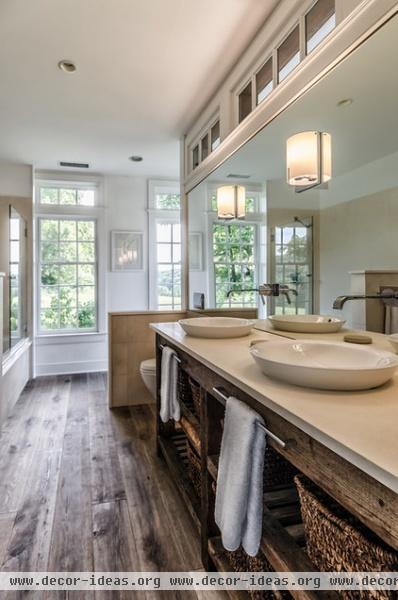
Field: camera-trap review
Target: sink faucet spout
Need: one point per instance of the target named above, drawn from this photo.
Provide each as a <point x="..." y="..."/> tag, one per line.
<point x="385" y="295"/>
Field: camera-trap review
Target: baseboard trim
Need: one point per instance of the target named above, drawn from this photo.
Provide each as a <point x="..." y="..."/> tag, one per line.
<point x="87" y="366"/>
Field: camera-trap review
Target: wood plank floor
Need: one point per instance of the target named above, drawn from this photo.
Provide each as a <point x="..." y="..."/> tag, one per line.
<point x="81" y="489"/>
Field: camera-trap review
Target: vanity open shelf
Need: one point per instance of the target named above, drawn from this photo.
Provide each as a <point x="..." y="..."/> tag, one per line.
<point x="292" y="450"/>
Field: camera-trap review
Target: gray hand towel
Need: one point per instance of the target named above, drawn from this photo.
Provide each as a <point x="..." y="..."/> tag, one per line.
<point x="239" y="498"/>
<point x="391" y="319"/>
<point x="169" y="403"/>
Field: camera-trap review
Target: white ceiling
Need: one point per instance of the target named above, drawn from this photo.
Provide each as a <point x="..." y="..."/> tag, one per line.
<point x="145" y="67"/>
<point x="362" y="133"/>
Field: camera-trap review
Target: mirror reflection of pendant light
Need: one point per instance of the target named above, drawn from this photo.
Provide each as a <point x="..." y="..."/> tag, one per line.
<point x="231" y="202"/>
<point x="309" y="159"/>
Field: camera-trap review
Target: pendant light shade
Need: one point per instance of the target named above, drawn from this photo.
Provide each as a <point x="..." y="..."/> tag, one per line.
<point x="231" y="202"/>
<point x="309" y="158"/>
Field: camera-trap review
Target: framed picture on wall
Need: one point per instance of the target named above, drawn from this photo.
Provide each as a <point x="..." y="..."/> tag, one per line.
<point x="195" y="252"/>
<point x="127" y="251"/>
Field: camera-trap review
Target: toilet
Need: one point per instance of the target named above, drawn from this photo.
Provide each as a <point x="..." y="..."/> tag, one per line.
<point x="148" y="374"/>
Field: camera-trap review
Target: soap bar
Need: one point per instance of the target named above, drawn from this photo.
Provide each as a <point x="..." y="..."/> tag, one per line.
<point x="357" y="338"/>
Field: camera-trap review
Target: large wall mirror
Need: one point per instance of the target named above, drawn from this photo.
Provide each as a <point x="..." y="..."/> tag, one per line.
<point x="13" y="264"/>
<point x="336" y="239"/>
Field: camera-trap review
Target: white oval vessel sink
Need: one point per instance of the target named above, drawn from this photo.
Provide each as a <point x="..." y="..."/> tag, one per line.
<point x="307" y="323"/>
<point x="325" y="365"/>
<point x="217" y="327"/>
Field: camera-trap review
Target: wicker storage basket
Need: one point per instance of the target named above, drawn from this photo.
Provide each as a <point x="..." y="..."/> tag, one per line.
<point x="184" y="388"/>
<point x="337" y="541"/>
<point x="194" y="469"/>
<point x="195" y="394"/>
<point x="242" y="562"/>
<point x="277" y="470"/>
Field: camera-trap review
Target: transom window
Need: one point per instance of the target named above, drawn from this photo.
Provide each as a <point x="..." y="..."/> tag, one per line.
<point x="66" y="195"/>
<point x="289" y="54"/>
<point x="168" y="201"/>
<point x="264" y="81"/>
<point x="67" y="274"/>
<point x="319" y="22"/>
<point x="234" y="263"/>
<point x="245" y="102"/>
<point x="208" y="142"/>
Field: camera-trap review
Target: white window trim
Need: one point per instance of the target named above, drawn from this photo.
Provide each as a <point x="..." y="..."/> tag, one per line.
<point x="95" y="213"/>
<point x="197" y="140"/>
<point x="156" y="216"/>
<point x="297" y="19"/>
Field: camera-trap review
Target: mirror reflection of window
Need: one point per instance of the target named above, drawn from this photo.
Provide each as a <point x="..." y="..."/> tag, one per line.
<point x="235" y="264"/>
<point x="291" y="265"/>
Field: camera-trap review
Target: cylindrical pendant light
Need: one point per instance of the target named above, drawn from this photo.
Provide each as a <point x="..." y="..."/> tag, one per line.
<point x="309" y="158"/>
<point x="231" y="202"/>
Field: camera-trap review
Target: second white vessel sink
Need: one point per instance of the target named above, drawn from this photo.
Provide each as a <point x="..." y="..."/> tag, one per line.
<point x="307" y="323"/>
<point x="217" y="327"/>
<point x="325" y="365"/>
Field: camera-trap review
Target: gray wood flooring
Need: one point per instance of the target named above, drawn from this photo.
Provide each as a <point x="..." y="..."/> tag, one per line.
<point x="81" y="489"/>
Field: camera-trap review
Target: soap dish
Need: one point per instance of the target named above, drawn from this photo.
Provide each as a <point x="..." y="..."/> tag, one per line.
<point x="357" y="338"/>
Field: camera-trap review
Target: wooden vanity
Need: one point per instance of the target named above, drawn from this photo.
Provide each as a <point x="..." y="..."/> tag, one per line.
<point x="344" y="442"/>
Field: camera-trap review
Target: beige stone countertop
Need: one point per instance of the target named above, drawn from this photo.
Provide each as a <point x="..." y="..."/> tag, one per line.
<point x="362" y="427"/>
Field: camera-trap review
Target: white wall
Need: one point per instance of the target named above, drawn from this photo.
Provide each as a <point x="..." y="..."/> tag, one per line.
<point x="16" y="180"/>
<point x="125" y="201"/>
<point x="359" y="234"/>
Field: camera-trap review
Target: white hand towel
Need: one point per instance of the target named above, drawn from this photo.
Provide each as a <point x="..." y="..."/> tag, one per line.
<point x="239" y="498"/>
<point x="169" y="404"/>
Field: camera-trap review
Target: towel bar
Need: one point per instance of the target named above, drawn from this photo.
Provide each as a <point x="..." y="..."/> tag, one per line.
<point x="161" y="346"/>
<point x="267" y="431"/>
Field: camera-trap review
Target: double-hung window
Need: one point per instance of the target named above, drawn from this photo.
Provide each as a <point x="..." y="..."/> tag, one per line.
<point x="66" y="259"/>
<point x="164" y="246"/>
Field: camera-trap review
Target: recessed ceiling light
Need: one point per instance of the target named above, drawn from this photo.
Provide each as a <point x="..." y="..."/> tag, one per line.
<point x="67" y="66"/>
<point x="136" y="158"/>
<point x="345" y="102"/>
